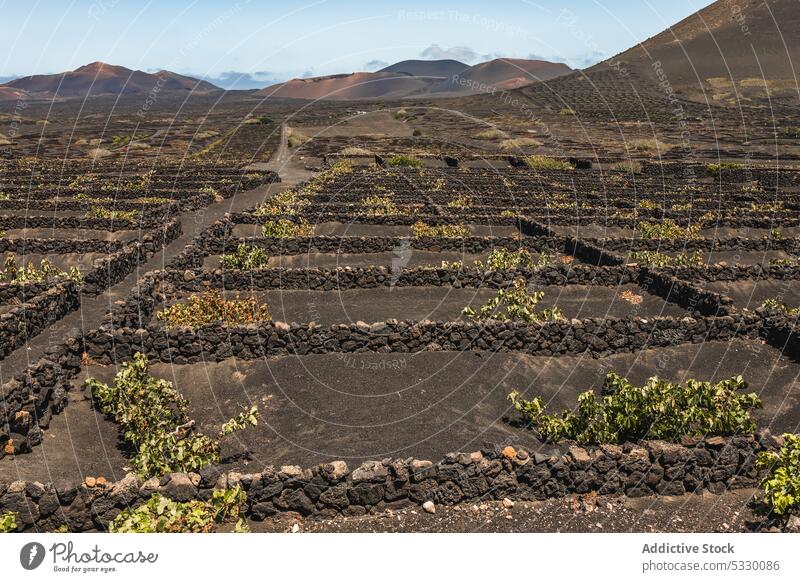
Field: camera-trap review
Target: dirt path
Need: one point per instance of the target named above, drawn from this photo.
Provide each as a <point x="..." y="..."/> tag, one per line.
<point x="93" y="309"/>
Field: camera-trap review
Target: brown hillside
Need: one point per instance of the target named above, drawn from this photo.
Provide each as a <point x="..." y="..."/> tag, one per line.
<point x="104" y="79"/>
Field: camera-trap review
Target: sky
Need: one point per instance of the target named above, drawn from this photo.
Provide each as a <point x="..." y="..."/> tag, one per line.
<point x="253" y="43"/>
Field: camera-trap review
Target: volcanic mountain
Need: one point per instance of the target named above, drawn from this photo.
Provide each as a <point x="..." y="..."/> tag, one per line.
<point x="733" y="41"/>
<point x="444" y="69"/>
<point x="503" y="74"/>
<point x="103" y="79"/>
<point x="419" y="79"/>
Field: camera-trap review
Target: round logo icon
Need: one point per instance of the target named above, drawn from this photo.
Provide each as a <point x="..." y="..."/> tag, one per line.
<point x="31" y="555"/>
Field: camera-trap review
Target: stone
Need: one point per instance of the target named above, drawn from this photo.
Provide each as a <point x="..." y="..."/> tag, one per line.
<point x="126" y="489"/>
<point x="507" y="503"/>
<point x="509" y="452"/>
<point x="188" y="276"/>
<point x="579" y="456"/>
<point x="291" y="472"/>
<point x="336" y="470"/>
<point x="370" y="471"/>
<point x="793" y="524"/>
<point x="179" y="487"/>
<point x="429" y="506"/>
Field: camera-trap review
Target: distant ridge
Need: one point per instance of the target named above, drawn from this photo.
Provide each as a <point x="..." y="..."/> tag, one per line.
<point x="103" y="79"/>
<point x="417" y="78"/>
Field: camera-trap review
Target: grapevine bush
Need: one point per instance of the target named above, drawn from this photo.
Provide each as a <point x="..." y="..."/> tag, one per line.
<point x="246" y="257"/>
<point x="547" y="163"/>
<point x="100" y="212"/>
<point x="775" y="304"/>
<point x="8" y="522"/>
<point x="31" y="273"/>
<point x="657" y="259"/>
<point x="667" y="229"/>
<point x="782" y="482"/>
<point x="152" y="414"/>
<point x="162" y="515"/>
<point x="405" y="161"/>
<point x="657" y="410"/>
<point x="380" y="206"/>
<point x="212" y="307"/>
<point x="716" y="169"/>
<point x="419" y="229"/>
<point x="514" y="304"/>
<point x="287" y="229"/>
<point x="287" y="203"/>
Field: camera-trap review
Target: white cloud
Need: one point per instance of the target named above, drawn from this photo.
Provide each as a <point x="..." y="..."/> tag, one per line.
<point x="459" y="53"/>
<point x="239" y="80"/>
<point x="375" y="64"/>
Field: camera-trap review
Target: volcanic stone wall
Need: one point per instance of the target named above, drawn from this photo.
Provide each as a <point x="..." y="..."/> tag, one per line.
<point x="37" y="313"/>
<point x="652" y="467"/>
<point x="595" y="337"/>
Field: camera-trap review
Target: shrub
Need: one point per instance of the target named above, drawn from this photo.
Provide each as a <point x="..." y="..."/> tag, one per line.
<point x="405" y="161"/>
<point x="657" y="259"/>
<point x="8" y="522"/>
<point x="212" y="307"/>
<point x="355" y="151"/>
<point x="767" y="207"/>
<point x="416" y="133"/>
<point x="30" y="273"/>
<point x="502" y="259"/>
<point x="776" y="305"/>
<point x="491" y="133"/>
<point x="647" y="145"/>
<point x="658" y="410"/>
<point x="296" y="139"/>
<point x="162" y="515"/>
<point x="784" y="262"/>
<point x="514" y="304"/>
<point x="459" y="201"/>
<point x="246" y="257"/>
<point x="287" y="229"/>
<point x="258" y="120"/>
<point x="519" y="143"/>
<point x="100" y="212"/>
<point x="631" y="166"/>
<point x="288" y="203"/>
<point x="667" y="229"/>
<point x="153" y="200"/>
<point x="152" y="415"/>
<point x="547" y="163"/>
<point x="119" y="141"/>
<point x="716" y="169"/>
<point x="380" y="206"/>
<point x="419" y="229"/>
<point x="648" y="205"/>
<point x="782" y="482"/>
<point x="4" y="196"/>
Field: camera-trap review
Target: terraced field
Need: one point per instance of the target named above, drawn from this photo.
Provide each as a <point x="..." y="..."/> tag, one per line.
<point x="371" y="314"/>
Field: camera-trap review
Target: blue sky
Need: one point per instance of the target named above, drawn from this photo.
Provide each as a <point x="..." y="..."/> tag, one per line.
<point x="254" y="43"/>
